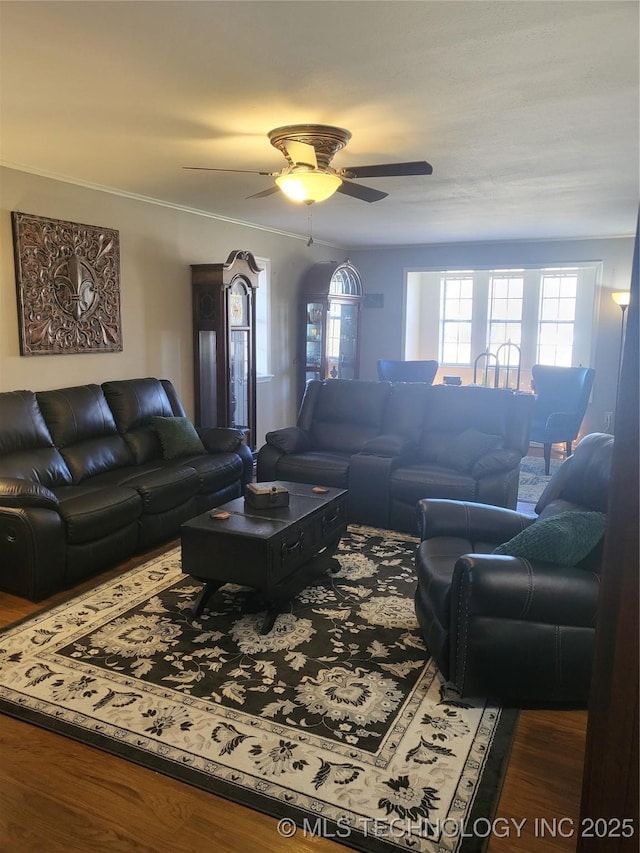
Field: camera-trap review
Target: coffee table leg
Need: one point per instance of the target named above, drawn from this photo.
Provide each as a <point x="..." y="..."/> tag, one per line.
<point x="209" y="589"/>
<point x="270" y="617"/>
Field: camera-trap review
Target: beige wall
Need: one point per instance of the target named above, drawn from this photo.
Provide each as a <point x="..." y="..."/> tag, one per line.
<point x="157" y="245"/>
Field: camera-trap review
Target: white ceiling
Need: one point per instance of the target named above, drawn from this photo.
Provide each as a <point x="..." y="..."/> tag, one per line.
<point x="528" y="111"/>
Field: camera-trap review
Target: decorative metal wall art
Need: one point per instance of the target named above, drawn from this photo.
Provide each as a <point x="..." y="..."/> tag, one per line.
<point x="68" y="286"/>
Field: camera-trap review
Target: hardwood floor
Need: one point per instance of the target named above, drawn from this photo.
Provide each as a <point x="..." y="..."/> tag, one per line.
<point x="58" y="795"/>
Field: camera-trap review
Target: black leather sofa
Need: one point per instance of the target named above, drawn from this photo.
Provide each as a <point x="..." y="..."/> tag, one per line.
<point x="515" y="629"/>
<point x="391" y="444"/>
<point x="84" y="482"/>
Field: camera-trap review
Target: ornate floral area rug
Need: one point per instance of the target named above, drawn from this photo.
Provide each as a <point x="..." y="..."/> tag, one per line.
<point x="533" y="480"/>
<point x="336" y="722"/>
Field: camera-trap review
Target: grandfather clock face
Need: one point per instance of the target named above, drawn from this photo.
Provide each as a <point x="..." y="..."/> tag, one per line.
<point x="238" y="304"/>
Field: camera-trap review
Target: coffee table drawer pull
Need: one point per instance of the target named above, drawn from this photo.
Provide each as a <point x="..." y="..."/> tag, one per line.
<point x="295" y="547"/>
<point x="329" y="521"/>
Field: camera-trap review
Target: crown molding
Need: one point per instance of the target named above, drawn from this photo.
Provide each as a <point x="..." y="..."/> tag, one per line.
<point x="66" y="179"/>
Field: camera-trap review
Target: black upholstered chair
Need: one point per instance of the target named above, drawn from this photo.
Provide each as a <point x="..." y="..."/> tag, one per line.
<point x="515" y="629"/>
<point x="562" y="394"/>
<point x="407" y="371"/>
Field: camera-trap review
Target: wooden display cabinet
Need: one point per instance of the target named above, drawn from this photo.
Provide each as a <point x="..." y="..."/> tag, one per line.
<point x="224" y="343"/>
<point x="331" y="301"/>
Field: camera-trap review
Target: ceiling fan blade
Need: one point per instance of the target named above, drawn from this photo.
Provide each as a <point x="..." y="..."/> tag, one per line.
<point x="301" y="153"/>
<point x="265" y="193"/>
<point x="361" y="192"/>
<point x="246" y="171"/>
<point x="390" y="170"/>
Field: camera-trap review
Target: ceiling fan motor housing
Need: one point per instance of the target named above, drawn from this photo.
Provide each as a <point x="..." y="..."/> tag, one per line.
<point x="325" y="139"/>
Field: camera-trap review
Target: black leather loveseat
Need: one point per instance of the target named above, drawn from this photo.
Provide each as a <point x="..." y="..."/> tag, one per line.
<point x="391" y="444"/>
<point x="86" y="482"/>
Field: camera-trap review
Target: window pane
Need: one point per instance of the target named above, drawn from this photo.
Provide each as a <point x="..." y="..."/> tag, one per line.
<point x="500" y="288"/>
<point x="549" y="310"/>
<point x="505" y="316"/>
<point x="466" y="288"/>
<point x="499" y="309"/>
<point x="514" y="310"/>
<point x="566" y="310"/>
<point x="456" y="312"/>
<point x="557" y="318"/>
<point x="551" y="286"/>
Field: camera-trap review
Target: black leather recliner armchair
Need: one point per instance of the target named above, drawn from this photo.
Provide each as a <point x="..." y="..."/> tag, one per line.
<point x="562" y="396"/>
<point x="505" y="627"/>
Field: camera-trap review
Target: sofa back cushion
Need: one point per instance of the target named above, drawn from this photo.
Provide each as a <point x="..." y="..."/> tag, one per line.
<point x="582" y="481"/>
<point x="405" y="410"/>
<point x="347" y="413"/>
<point x="26" y="445"/>
<point x="450" y="410"/>
<point x="134" y="403"/>
<point x="83" y="429"/>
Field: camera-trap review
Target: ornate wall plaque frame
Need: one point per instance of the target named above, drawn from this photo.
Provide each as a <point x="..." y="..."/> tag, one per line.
<point x="68" y="286"/>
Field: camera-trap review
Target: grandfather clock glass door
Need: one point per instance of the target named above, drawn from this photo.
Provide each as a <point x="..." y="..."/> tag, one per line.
<point x="224" y="343"/>
<point x="239" y="354"/>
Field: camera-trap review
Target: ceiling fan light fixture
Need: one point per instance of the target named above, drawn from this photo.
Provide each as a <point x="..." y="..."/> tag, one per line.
<point x="308" y="185"/>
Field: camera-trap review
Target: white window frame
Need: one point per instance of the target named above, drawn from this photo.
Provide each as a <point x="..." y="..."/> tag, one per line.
<point x="423" y="316"/>
<point x="446" y="280"/>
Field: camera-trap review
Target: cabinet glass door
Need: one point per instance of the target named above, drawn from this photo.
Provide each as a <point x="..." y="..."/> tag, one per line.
<point x="342" y="328"/>
<point x="314" y="340"/>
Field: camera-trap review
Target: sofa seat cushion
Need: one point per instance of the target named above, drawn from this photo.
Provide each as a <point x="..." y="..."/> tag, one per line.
<point x="92" y="513"/>
<point x="163" y="487"/>
<point x="321" y="468"/>
<point x="409" y="485"/>
<point x="215" y="471"/>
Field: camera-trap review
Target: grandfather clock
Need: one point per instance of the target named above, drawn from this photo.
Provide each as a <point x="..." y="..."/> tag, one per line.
<point x="224" y="343"/>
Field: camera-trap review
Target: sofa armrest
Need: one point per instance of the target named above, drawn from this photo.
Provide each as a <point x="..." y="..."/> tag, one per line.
<point x="388" y="445"/>
<point x="474" y="521"/>
<point x="494" y="462"/>
<point x="33" y="552"/>
<point x="522" y="631"/>
<point x="15" y="492"/>
<point x="501" y="587"/>
<point x="289" y="440"/>
<point x="220" y="439"/>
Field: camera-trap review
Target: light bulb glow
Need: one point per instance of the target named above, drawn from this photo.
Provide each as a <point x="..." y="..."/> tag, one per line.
<point x="621" y="297"/>
<point x="304" y="185"/>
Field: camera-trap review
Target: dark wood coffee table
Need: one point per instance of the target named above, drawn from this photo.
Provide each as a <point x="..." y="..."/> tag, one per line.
<point x="276" y="551"/>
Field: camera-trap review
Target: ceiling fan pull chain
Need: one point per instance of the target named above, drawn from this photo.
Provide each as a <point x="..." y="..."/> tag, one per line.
<point x="309" y="226"/>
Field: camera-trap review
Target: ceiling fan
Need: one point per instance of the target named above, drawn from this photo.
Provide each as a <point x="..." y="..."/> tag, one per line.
<point x="308" y="176"/>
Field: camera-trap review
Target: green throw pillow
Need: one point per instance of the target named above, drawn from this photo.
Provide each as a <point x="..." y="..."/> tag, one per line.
<point x="564" y="539"/>
<point x="466" y="448"/>
<point x="178" y="437"/>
